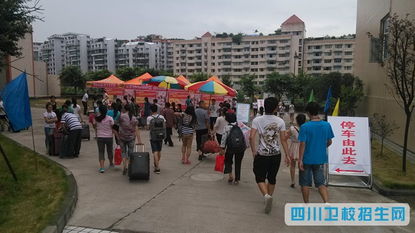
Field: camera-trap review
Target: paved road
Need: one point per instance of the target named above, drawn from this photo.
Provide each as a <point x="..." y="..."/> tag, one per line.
<point x="185" y="198"/>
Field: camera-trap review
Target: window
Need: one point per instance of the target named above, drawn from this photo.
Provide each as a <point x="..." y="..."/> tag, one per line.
<point x="348" y="46"/>
<point x="375" y="50"/>
<point x="327" y="60"/>
<point x="337" y="60"/>
<point x="384" y="32"/>
<point x="348" y="53"/>
<point x="338" y="46"/>
<point x="328" y="46"/>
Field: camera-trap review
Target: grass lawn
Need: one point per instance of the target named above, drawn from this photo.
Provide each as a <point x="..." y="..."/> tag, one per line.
<point x="388" y="169"/>
<point x="29" y="205"/>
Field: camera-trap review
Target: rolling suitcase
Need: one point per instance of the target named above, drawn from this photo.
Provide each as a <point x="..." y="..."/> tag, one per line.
<point x="139" y="165"/>
<point x="85" y="131"/>
<point x="57" y="139"/>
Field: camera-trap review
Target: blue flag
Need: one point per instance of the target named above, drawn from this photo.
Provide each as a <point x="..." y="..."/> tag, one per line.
<point x="15" y="96"/>
<point x="328" y="101"/>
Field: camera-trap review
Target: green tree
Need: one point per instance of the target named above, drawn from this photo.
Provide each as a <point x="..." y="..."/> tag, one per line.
<point x="237" y="38"/>
<point x="351" y="94"/>
<point x="16" y="17"/>
<point x="400" y="68"/>
<point x="72" y="76"/>
<point x="198" y="77"/>
<point x="96" y="75"/>
<point x="278" y="84"/>
<point x="126" y="73"/>
<point x="226" y="79"/>
<point x="382" y="127"/>
<point x="248" y="86"/>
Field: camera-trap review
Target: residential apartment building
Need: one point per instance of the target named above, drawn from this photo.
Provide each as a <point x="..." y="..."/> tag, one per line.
<point x="137" y="54"/>
<point x="328" y="54"/>
<point x="63" y="50"/>
<point x="76" y="50"/>
<point x="37" y="47"/>
<point x="165" y="54"/>
<point x="258" y="55"/>
<point x="372" y="19"/>
<point x="39" y="82"/>
<point x="102" y="53"/>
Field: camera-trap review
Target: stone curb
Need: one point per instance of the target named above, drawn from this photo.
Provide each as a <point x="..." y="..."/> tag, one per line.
<point x="59" y="221"/>
<point x="378" y="187"/>
<point x="67" y="208"/>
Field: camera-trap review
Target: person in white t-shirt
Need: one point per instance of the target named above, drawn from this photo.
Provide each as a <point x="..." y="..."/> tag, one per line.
<point x="291" y="111"/>
<point x="85" y="102"/>
<point x="255" y="107"/>
<point x="213" y="113"/>
<point x="267" y="156"/>
<point x="220" y="125"/>
<point x="76" y="109"/>
<point x="50" y="118"/>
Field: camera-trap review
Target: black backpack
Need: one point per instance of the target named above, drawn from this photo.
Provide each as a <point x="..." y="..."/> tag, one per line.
<point x="236" y="140"/>
<point x="157" y="129"/>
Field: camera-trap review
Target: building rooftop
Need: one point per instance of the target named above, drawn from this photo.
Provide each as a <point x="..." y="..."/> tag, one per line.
<point x="207" y="34"/>
<point x="292" y="20"/>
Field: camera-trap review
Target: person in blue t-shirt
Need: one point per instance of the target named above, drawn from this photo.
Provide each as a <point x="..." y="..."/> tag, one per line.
<point x="315" y="136"/>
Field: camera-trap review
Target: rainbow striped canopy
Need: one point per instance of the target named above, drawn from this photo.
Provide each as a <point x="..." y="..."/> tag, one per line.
<point x="165" y="82"/>
<point x="208" y="87"/>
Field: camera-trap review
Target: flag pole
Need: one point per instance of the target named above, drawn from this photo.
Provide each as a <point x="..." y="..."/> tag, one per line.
<point x="8" y="163"/>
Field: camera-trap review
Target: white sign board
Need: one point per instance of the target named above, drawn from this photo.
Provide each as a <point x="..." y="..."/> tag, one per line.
<point x="242" y="112"/>
<point x="260" y="103"/>
<point x="350" y="153"/>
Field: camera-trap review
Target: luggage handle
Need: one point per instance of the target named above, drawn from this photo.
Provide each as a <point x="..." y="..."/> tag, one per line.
<point x="136" y="147"/>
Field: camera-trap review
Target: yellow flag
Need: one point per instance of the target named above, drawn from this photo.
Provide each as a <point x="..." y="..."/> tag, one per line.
<point x="336" y="109"/>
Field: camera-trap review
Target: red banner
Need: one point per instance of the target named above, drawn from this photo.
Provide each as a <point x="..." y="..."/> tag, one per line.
<point x="115" y="91"/>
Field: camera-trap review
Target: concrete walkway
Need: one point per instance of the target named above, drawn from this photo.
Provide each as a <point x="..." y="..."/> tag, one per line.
<point x="185" y="198"/>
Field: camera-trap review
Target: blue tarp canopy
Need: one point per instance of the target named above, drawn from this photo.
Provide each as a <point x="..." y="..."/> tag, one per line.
<point x="15" y="96"/>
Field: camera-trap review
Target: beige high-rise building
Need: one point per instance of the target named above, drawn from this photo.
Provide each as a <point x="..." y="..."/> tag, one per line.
<point x="40" y="83"/>
<point x="239" y="55"/>
<point x="329" y="54"/>
<point x="372" y="16"/>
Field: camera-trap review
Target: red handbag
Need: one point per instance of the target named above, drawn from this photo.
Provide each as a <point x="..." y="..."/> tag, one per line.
<point x="211" y="146"/>
<point x="117" y="156"/>
<point x="220" y="163"/>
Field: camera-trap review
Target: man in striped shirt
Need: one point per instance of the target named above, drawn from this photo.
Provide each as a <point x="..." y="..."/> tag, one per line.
<point x="72" y="145"/>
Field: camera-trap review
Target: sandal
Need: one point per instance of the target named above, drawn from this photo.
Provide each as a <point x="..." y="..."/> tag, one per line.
<point x="230" y="180"/>
<point x="187" y="162"/>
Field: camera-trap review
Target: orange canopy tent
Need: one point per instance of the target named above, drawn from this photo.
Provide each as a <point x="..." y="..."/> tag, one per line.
<point x="110" y="82"/>
<point x="136" y="82"/>
<point x="183" y="80"/>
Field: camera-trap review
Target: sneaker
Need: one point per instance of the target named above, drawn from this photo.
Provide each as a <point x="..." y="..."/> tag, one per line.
<point x="101" y="170"/>
<point x="268" y="203"/>
<point x="157" y="170"/>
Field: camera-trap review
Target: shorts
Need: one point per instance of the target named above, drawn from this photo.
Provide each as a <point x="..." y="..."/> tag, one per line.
<point x="312" y="172"/>
<point x="156" y="145"/>
<point x="266" y="168"/>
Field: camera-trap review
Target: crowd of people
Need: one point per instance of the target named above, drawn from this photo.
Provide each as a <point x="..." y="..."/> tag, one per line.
<point x="302" y="143"/>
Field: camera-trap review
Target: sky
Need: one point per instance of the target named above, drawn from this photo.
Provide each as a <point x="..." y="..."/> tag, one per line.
<point x="187" y="19"/>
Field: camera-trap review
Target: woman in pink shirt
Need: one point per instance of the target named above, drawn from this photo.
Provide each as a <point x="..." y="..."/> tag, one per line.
<point x="103" y="127"/>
